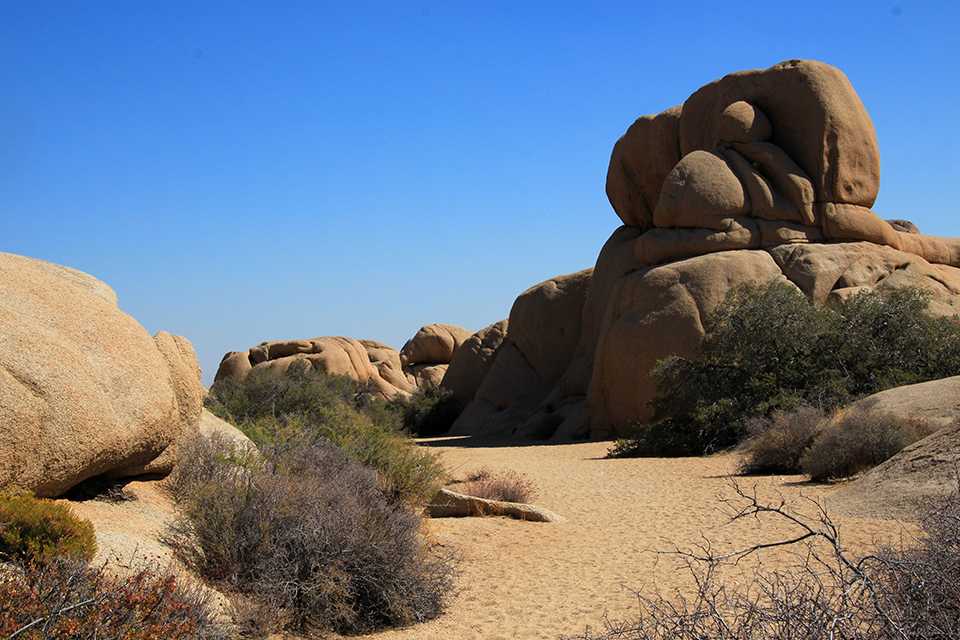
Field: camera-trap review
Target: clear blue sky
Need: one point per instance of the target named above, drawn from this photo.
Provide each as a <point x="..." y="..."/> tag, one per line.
<point x="250" y="171"/>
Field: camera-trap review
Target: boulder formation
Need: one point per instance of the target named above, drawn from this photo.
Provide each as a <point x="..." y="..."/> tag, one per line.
<point x="761" y="175"/>
<point x="422" y="362"/>
<point x="84" y="390"/>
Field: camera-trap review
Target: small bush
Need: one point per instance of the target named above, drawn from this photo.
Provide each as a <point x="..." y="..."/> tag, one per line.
<point x="32" y="529"/>
<point x="311" y="534"/>
<point x="856" y="441"/>
<point x="777" y="444"/>
<point x="507" y="486"/>
<point x="920" y="584"/>
<point x="64" y="598"/>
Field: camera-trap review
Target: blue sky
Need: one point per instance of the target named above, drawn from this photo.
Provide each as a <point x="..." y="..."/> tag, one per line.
<point x="250" y="171"/>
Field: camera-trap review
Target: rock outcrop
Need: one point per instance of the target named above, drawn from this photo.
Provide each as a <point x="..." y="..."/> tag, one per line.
<point x="422" y="362"/>
<point x="84" y="390"/>
<point x="542" y="334"/>
<point x="761" y="175"/>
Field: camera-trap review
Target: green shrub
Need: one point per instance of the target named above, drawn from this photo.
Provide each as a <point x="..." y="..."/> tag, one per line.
<point x="64" y="598"/>
<point x="32" y="529"/>
<point x="427" y="412"/>
<point x="777" y="444"/>
<point x="282" y="409"/>
<point x="767" y="349"/>
<point x="309" y="533"/>
<point x="855" y="441"/>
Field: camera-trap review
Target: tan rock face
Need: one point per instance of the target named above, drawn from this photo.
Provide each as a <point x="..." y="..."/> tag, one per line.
<point x="760" y="158"/>
<point x="542" y="335"/>
<point x="422" y="363"/>
<point x="655" y="313"/>
<point x="434" y="344"/>
<point x="365" y="361"/>
<point x="84" y="390"/>
<point x="472" y="361"/>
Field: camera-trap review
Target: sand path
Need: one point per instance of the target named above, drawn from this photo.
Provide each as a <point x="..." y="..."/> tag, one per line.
<point x="550" y="580"/>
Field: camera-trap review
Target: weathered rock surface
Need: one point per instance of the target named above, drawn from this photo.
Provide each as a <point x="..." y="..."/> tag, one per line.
<point x="659" y="312"/>
<point x="422" y="362"/>
<point x="760" y="158"/>
<point x="450" y="504"/>
<point x="472" y="361"/>
<point x="84" y="390"/>
<point x="542" y="334"/>
<point x="761" y="175"/>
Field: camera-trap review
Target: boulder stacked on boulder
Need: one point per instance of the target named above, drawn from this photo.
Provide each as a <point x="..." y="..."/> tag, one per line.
<point x="760" y="175"/>
<point x="84" y="390"/>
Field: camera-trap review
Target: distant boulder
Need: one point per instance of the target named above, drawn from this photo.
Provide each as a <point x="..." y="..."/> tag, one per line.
<point x="422" y="362"/>
<point x="84" y="390"/>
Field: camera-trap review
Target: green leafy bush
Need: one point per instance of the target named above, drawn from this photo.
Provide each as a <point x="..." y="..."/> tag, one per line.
<point x="33" y="529"/>
<point x="855" y="441"/>
<point x="767" y="349"/>
<point x="427" y="412"/>
<point x="308" y="533"/>
<point x="281" y="409"/>
<point x="63" y="598"/>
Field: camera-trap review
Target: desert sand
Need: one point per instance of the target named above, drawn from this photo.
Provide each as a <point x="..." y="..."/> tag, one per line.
<point x="551" y="580"/>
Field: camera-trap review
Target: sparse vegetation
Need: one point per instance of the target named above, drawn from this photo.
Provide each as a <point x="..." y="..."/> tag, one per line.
<point x="281" y="409"/>
<point x="826" y="447"/>
<point x="38" y="530"/>
<point x="905" y="593"/>
<point x="505" y="486"/>
<point x="428" y="412"/>
<point x="768" y="350"/>
<point x="307" y="533"/>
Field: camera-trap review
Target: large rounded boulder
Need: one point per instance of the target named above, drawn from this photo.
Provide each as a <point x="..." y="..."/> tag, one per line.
<point x="84" y="389"/>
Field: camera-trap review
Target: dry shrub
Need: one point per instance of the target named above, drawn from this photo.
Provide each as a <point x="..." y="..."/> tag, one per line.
<point x="505" y="486"/>
<point x="64" y="598"/>
<point x="777" y="444"/>
<point x="855" y="441"/>
<point x="309" y="533"/>
<point x="904" y="593"/>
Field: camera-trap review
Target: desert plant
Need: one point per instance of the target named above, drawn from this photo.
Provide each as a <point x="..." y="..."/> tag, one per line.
<point x="895" y="593"/>
<point x="776" y="444"/>
<point x="280" y="409"/>
<point x="505" y="486"/>
<point x="767" y="349"/>
<point x="34" y="529"/>
<point x="310" y="533"/>
<point x="429" y="411"/>
<point x="856" y="440"/>
<point x="64" y="598"/>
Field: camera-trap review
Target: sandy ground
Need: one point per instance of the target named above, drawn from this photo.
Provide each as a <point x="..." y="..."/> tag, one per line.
<point x="551" y="580"/>
<point x="520" y="580"/>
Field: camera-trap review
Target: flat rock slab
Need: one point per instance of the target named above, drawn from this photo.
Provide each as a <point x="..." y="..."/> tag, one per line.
<point x="450" y="504"/>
